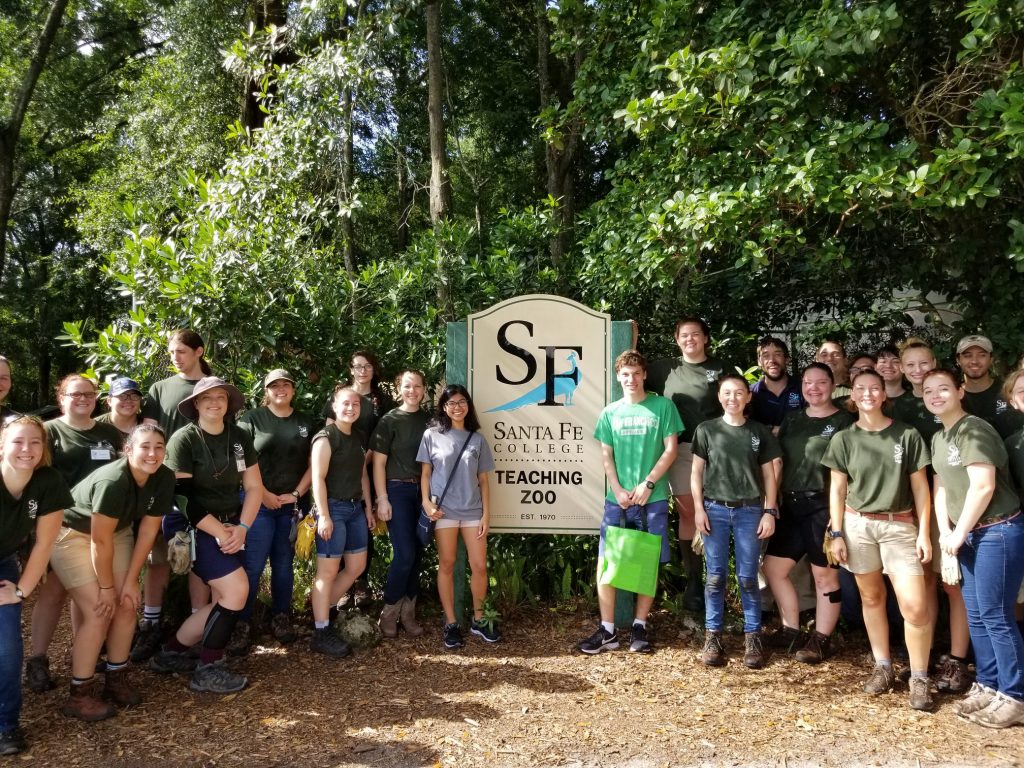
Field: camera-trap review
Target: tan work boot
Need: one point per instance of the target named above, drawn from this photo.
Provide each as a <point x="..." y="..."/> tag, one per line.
<point x="117" y="689"/>
<point x="84" y="703"/>
<point x="408" y="617"/>
<point x="389" y="620"/>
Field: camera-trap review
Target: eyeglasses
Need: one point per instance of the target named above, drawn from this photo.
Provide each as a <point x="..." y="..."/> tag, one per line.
<point x="130" y="396"/>
<point x="362" y="367"/>
<point x="81" y="395"/>
<point x="457" y="404"/>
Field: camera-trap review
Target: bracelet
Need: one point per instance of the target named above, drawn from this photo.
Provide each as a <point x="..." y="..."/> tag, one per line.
<point x="245" y="525"/>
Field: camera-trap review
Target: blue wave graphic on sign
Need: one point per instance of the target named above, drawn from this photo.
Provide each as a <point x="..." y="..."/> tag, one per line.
<point x="564" y="384"/>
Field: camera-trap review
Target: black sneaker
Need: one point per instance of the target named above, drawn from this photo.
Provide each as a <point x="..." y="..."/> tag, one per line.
<point x="601" y="640"/>
<point x="329" y="643"/>
<point x="639" y="640"/>
<point x="147" y="641"/>
<point x="488" y="630"/>
<point x="172" y="662"/>
<point x="216" y="678"/>
<point x="37" y="674"/>
<point x="452" y="637"/>
<point x="12" y="742"/>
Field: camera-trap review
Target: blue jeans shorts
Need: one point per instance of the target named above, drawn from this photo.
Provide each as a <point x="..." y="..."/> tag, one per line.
<point x="351" y="533"/>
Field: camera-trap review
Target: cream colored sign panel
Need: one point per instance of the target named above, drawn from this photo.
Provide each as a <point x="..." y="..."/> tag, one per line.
<point x="538" y="373"/>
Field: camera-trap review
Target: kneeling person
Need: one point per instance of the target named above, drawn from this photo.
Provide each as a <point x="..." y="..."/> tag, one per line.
<point x="639" y="439"/>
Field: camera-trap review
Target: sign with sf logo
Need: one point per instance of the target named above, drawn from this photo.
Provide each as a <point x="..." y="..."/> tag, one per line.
<point x="539" y="375"/>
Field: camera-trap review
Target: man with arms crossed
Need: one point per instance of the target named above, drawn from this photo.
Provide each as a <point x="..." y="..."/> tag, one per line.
<point x="638" y="435"/>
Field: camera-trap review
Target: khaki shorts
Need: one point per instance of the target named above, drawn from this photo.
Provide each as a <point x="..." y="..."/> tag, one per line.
<point x="881" y="545"/>
<point x="158" y="555"/>
<point x="72" y="556"/>
<point x="679" y="472"/>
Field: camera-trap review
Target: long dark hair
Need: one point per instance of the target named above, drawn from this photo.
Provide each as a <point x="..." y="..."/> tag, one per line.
<point x="193" y="341"/>
<point x="442" y="421"/>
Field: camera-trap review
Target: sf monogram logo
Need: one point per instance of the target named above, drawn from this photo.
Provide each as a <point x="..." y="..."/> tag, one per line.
<point x="562" y="384"/>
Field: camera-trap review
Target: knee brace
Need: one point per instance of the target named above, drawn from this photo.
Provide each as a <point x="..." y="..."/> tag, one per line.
<point x="219" y="627"/>
<point x="836" y="596"/>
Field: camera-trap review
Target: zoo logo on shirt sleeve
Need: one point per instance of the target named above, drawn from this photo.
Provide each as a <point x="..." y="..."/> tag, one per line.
<point x="755" y="443"/>
<point x="897" y="454"/>
<point x="953" y="456"/>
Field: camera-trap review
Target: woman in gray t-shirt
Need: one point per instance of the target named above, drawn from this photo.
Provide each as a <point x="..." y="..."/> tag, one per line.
<point x="455" y="456"/>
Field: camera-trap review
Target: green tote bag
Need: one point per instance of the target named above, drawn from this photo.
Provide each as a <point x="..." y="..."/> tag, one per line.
<point x="630" y="560"/>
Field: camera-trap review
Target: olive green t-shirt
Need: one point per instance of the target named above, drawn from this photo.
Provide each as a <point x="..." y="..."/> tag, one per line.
<point x="372" y="408"/>
<point x="45" y="494"/>
<point x="973" y="441"/>
<point x="105" y="418"/>
<point x="111" y="491"/>
<point x="993" y="408"/>
<point x="161" y="402"/>
<point x="804" y="440"/>
<point x="77" y="452"/>
<point x="911" y="410"/>
<point x="345" y="470"/>
<point x="1015" y="453"/>
<point x="692" y="388"/>
<point x="398" y="436"/>
<point x="733" y="457"/>
<point x="216" y="463"/>
<point x="878" y="465"/>
<point x="283" y="445"/>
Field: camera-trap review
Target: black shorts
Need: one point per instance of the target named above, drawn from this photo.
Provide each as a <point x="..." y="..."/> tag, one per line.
<point x="800" y="529"/>
<point x="210" y="562"/>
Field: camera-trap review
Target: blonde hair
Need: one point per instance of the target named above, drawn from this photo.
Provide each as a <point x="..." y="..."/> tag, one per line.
<point x="1009" y="384"/>
<point x="47" y="457"/>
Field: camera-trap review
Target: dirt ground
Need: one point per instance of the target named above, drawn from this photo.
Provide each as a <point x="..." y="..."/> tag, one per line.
<point x="528" y="701"/>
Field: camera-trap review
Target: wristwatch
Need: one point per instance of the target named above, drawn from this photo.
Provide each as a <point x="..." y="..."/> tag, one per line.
<point x="649" y="484"/>
<point x="772" y="511"/>
<point x="296" y="494"/>
<point x="18" y="593"/>
<point x="834" y="534"/>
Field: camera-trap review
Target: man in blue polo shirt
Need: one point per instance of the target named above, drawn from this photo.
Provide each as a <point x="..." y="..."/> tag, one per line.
<point x="776" y="393"/>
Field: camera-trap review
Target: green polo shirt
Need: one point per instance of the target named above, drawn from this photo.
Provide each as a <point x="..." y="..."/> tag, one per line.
<point x="111" y="491"/>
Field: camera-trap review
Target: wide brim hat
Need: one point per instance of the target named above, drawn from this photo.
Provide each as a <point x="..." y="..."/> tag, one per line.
<point x="236" y="401"/>
<point x="278" y="374"/>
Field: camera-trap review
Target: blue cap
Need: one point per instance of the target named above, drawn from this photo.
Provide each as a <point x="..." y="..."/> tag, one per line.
<point x="120" y="386"/>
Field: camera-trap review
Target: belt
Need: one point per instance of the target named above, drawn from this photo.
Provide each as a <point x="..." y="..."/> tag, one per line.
<point x="399" y="480"/>
<point x="998" y="520"/>
<point x="803" y="494"/>
<point x="903" y="516"/>
<point x="755" y="502"/>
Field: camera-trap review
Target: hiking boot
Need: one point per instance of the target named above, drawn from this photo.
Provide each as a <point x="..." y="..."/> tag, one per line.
<point x="407" y="617"/>
<point x="978" y="697"/>
<point x="215" y="677"/>
<point x="452" y="637"/>
<point x="754" y="656"/>
<point x="167" y="662"/>
<point x="37" y="674"/>
<point x="953" y="677"/>
<point x="389" y="620"/>
<point x="84" y="703"/>
<point x="882" y="679"/>
<point x="815" y="650"/>
<point x="12" y="742"/>
<point x="488" y="630"/>
<point x="361" y="594"/>
<point x="640" y="640"/>
<point x="713" y="654"/>
<point x="147" y="641"/>
<point x="241" y="639"/>
<point x="921" y="694"/>
<point x="1002" y="712"/>
<point x="785" y="639"/>
<point x="281" y="628"/>
<point x="601" y="640"/>
<point x="329" y="643"/>
<point x="117" y="689"/>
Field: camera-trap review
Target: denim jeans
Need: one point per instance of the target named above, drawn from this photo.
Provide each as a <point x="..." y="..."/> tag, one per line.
<point x="403" y="579"/>
<point x="742" y="523"/>
<point x="268" y="538"/>
<point x="10" y="652"/>
<point x="992" y="565"/>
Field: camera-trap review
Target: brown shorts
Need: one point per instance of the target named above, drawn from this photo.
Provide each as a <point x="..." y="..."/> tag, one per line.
<point x="72" y="556"/>
<point x="679" y="472"/>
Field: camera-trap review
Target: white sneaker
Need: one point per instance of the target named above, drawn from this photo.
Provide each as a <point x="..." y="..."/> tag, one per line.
<point x="1001" y="713"/>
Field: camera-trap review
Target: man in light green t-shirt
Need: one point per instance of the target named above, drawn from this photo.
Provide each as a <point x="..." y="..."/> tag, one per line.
<point x="639" y="438"/>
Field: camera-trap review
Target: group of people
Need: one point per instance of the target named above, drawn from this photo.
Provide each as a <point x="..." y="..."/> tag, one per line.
<point x="185" y="476"/>
<point x="871" y="463"/>
<point x="881" y="466"/>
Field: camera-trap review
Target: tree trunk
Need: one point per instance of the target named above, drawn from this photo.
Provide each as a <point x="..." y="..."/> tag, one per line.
<point x="404" y="198"/>
<point x="10" y="127"/>
<point x="440" y="186"/>
<point x="266" y="13"/>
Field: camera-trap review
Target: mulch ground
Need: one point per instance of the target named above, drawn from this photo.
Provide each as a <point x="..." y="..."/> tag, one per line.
<point x="528" y="701"/>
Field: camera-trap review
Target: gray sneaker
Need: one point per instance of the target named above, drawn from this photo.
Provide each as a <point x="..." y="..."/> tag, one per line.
<point x="882" y="679"/>
<point x="976" y="700"/>
<point x="216" y="678"/>
<point x="1002" y="712"/>
<point x="329" y="643"/>
<point x="171" y="662"/>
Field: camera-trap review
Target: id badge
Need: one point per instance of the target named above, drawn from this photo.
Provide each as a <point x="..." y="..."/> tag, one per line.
<point x="240" y="465"/>
<point x="99" y="454"/>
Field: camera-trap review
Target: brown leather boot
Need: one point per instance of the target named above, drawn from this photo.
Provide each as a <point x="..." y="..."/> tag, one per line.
<point x="116" y="688"/>
<point x="85" y="704"/>
<point x="408" y="618"/>
<point x="389" y="620"/>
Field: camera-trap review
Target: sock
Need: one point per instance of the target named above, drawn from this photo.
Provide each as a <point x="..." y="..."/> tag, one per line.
<point x="81" y="680"/>
<point x="962" y="660"/>
<point x="608" y="627"/>
<point x="217" y="632"/>
<point x="919" y="674"/>
<point x="151" y="614"/>
<point x="321" y="624"/>
<point x="210" y="655"/>
<point x="641" y="622"/>
<point x="884" y="662"/>
<point x="175" y="646"/>
<point x="112" y="667"/>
